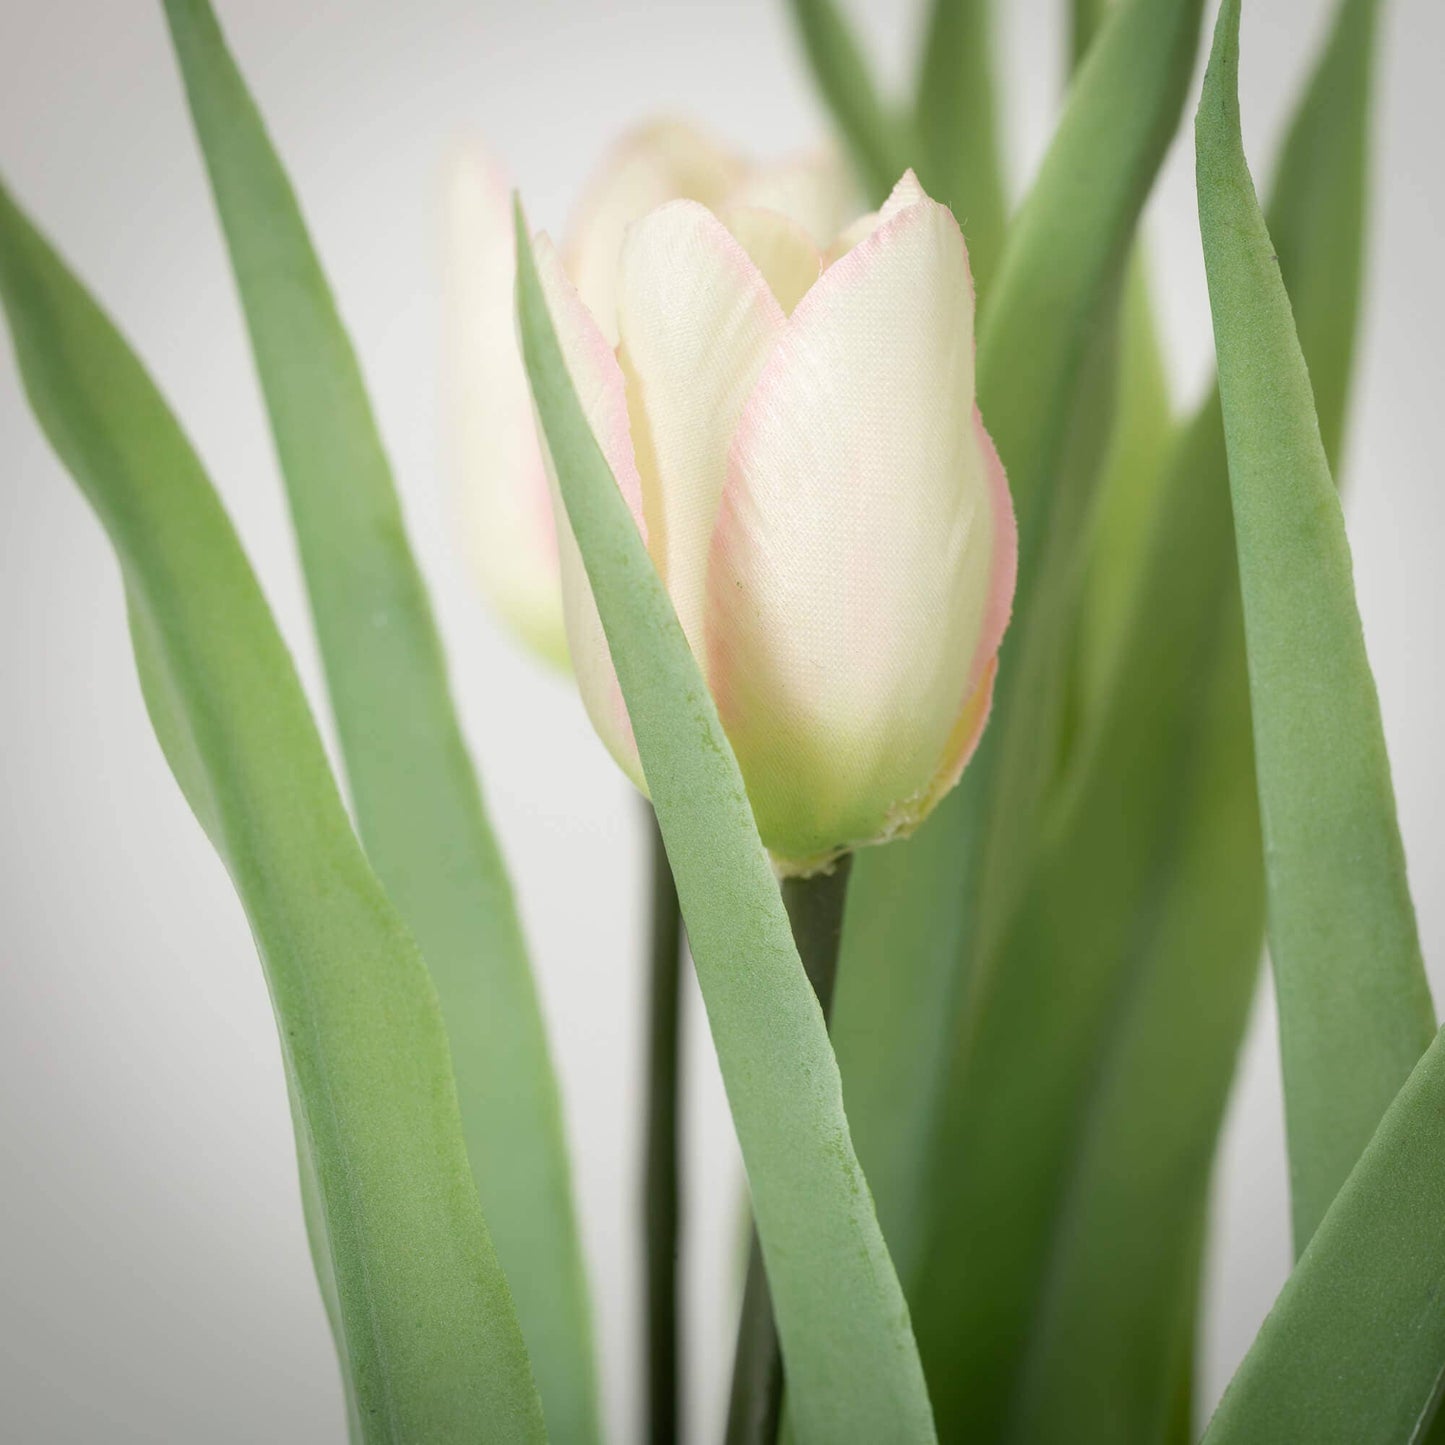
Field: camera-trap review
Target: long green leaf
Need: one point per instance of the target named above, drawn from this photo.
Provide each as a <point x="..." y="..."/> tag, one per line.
<point x="879" y="139"/>
<point x="1353" y="1352"/>
<point x="418" y="803"/>
<point x="427" y="1331"/>
<point x="852" y="1366"/>
<point x="959" y="160"/>
<point x="1144" y="1141"/>
<point x="1355" y="1010"/>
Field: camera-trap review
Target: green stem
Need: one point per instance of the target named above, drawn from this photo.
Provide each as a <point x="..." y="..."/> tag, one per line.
<point x="662" y="1192"/>
<point x="755" y="1405"/>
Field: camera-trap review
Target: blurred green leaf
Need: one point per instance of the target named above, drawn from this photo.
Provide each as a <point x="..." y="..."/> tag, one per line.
<point x="1142" y="437"/>
<point x="1319" y="206"/>
<point x="879" y="138"/>
<point x="1354" y="1349"/>
<point x="1146" y="1096"/>
<point x="1059" y="275"/>
<point x="852" y="1365"/>
<point x="418" y="803"/>
<point x="426" y="1328"/>
<point x="1129" y="970"/>
<point x="1355" y="1010"/>
<point x="1086" y="17"/>
<point x="1045" y="400"/>
<point x="1141" y="1157"/>
<point x="957" y="130"/>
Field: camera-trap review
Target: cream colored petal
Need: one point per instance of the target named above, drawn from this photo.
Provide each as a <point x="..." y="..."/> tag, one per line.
<point x="666" y="160"/>
<point x="862" y="561"/>
<point x="601" y="390"/>
<point x="906" y="193"/>
<point x="495" y="459"/>
<point x="697" y="321"/>
<point x="816" y="190"/>
<point x="780" y="248"/>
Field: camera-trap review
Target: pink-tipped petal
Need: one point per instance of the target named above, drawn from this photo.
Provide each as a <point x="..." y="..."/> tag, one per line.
<point x="495" y="458"/>
<point x="862" y="563"/>
<point x="665" y="160"/>
<point x="907" y="192"/>
<point x="697" y="321"/>
<point x="601" y="390"/>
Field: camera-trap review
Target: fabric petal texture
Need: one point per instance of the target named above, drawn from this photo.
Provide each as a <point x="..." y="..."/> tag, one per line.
<point x="495" y="456"/>
<point x="862" y="562"/>
<point x="697" y="321"/>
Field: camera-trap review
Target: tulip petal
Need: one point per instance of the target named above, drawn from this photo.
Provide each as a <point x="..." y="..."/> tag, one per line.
<point x="780" y="248"/>
<point x="697" y="321"/>
<point x="602" y="392"/>
<point x="906" y="193"/>
<point x="817" y="190"/>
<point x="998" y="605"/>
<point x="863" y="559"/>
<point x="501" y="480"/>
<point x="663" y="161"/>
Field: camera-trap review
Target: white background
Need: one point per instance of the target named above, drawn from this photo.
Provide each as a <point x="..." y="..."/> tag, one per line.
<point x="154" y="1280"/>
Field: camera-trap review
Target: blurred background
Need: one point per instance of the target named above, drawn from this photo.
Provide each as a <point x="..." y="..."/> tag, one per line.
<point x="154" y="1277"/>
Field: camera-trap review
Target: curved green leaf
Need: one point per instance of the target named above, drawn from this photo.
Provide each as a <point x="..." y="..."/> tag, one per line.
<point x="426" y="1327"/>
<point x="958" y="145"/>
<point x="879" y="140"/>
<point x="852" y="1366"/>
<point x="418" y="803"/>
<point x="1355" y="1010"/>
<point x="1353" y="1352"/>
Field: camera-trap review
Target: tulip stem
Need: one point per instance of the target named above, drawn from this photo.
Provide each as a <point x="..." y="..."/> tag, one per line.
<point x="661" y="1185"/>
<point x="755" y="1405"/>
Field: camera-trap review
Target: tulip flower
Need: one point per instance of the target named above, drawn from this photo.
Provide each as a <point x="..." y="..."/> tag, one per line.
<point x="505" y="499"/>
<point x="796" y="434"/>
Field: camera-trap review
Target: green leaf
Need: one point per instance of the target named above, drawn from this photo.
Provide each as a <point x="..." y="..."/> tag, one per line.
<point x="958" y="146"/>
<point x="1353" y="1351"/>
<point x="1130" y="968"/>
<point x="1079" y="1248"/>
<point x="1355" y="1010"/>
<point x="1318" y="209"/>
<point x="428" y="1335"/>
<point x="852" y="1366"/>
<point x="1086" y="18"/>
<point x="879" y="140"/>
<point x="1142" y="437"/>
<point x="418" y="804"/>
<point x="1044" y="396"/>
